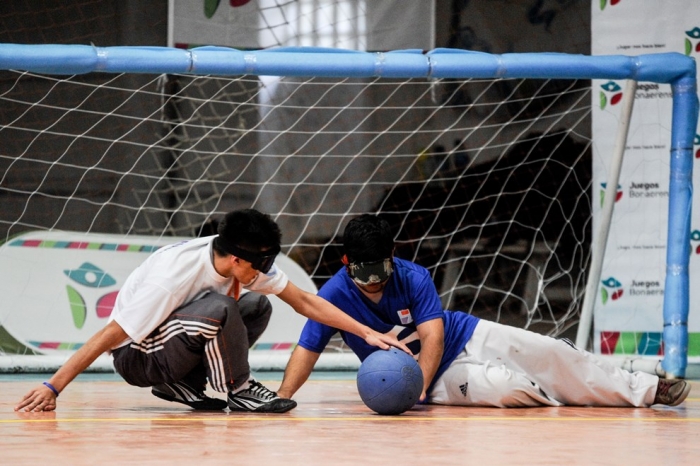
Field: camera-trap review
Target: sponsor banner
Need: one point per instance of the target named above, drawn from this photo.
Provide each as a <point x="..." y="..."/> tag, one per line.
<point x="629" y="307"/>
<point x="59" y="289"/>
<point x="348" y="24"/>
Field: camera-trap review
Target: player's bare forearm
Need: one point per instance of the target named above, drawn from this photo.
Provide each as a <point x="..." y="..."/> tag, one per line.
<point x="297" y="372"/>
<point x="42" y="397"/>
<point x="320" y="310"/>
<point x="432" y="342"/>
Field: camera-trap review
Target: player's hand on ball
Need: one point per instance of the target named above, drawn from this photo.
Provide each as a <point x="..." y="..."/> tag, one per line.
<point x="39" y="399"/>
<point x="386" y="341"/>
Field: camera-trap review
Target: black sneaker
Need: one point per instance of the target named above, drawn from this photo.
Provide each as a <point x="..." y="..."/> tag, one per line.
<point x="671" y="392"/>
<point x="258" y="399"/>
<point x="183" y="393"/>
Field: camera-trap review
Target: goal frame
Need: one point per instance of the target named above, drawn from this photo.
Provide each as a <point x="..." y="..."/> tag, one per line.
<point x="677" y="70"/>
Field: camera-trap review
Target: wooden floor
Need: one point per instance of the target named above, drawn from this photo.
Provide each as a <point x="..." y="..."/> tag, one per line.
<point x="109" y="422"/>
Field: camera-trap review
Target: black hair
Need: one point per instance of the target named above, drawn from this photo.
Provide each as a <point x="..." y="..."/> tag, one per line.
<point x="368" y="238"/>
<point x="247" y="229"/>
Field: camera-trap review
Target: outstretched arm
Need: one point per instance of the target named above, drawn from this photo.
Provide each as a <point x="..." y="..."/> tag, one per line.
<point x="298" y="369"/>
<point x="432" y="342"/>
<point x="320" y="310"/>
<point x="42" y="397"/>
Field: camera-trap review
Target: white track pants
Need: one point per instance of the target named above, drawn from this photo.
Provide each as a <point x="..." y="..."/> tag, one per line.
<point x="509" y="367"/>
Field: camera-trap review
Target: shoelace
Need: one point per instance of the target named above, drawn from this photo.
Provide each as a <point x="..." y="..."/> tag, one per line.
<point x="663" y="389"/>
<point x="259" y="390"/>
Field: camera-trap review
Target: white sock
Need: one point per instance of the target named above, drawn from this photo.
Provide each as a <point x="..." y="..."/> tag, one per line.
<point x="244" y="386"/>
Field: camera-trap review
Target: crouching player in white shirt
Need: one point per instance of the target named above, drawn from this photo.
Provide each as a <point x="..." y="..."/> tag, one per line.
<point x="179" y="320"/>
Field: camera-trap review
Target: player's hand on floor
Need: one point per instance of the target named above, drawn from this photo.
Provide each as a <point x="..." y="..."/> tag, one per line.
<point x="39" y="399"/>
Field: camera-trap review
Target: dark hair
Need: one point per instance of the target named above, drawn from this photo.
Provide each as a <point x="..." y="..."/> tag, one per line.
<point x="368" y="238"/>
<point x="247" y="229"/>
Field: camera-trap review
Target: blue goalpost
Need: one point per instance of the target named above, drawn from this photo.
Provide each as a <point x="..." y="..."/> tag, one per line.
<point x="677" y="70"/>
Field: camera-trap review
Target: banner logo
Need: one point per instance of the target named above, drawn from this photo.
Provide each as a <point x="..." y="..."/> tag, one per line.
<point x="210" y="6"/>
<point x="611" y="94"/>
<point x="90" y="276"/>
<point x="692" y="41"/>
<point x="618" y="194"/>
<point x="695" y="241"/>
<point x="646" y="190"/>
<point x="604" y="3"/>
<point x="612" y="289"/>
<point x="646" y="288"/>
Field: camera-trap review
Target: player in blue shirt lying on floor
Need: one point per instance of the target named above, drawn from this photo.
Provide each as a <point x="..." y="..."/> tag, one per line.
<point x="466" y="361"/>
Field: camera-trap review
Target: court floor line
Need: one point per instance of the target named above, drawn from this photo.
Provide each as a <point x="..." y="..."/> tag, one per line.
<point x="349" y="419"/>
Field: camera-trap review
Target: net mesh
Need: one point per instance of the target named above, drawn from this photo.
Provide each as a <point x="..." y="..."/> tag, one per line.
<point x="487" y="183"/>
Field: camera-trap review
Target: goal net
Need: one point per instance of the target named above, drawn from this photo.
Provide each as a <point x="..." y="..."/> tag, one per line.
<point x="481" y="164"/>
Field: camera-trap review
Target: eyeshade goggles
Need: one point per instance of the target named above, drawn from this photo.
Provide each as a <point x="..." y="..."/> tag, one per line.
<point x="261" y="261"/>
<point x="368" y="273"/>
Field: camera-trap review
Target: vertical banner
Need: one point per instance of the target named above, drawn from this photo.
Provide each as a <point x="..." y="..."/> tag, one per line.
<point x="629" y="307"/>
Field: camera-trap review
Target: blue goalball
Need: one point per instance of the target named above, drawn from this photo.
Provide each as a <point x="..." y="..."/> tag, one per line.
<point x="389" y="382"/>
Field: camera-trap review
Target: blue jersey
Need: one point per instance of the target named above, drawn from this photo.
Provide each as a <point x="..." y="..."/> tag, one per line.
<point x="409" y="299"/>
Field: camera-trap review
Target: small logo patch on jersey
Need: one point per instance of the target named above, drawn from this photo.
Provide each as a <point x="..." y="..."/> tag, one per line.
<point x="463" y="388"/>
<point x="405" y="316"/>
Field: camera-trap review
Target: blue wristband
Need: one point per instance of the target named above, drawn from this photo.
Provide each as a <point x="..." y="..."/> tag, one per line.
<point x="52" y="388"/>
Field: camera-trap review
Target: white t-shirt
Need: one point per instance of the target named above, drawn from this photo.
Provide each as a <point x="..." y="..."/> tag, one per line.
<point x="173" y="276"/>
